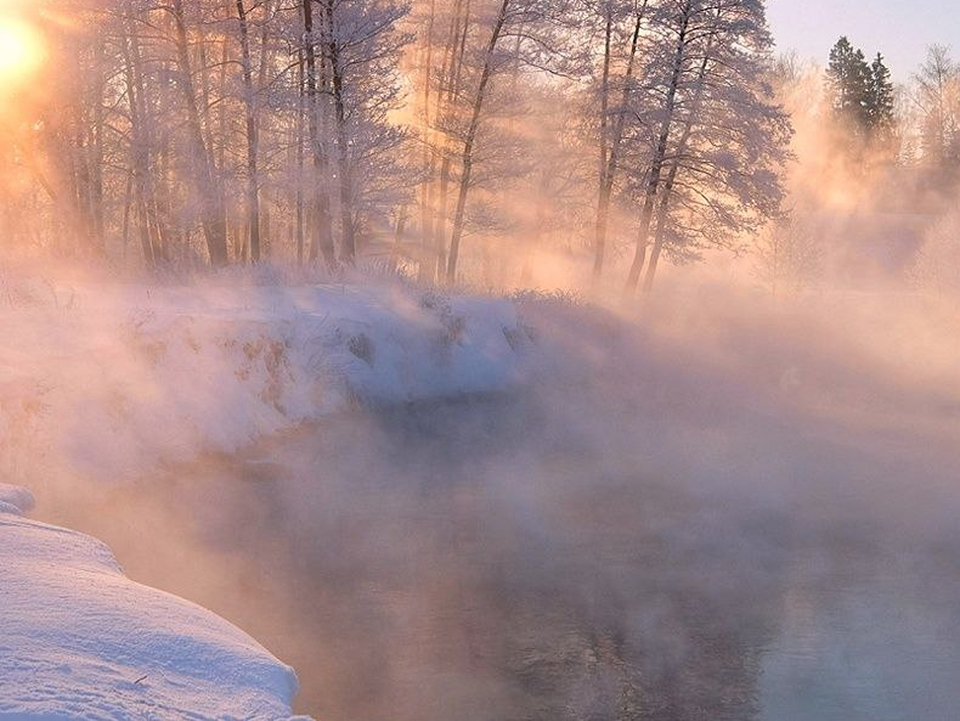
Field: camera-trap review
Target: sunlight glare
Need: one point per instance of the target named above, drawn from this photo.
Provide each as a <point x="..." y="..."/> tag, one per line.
<point x="21" y="50"/>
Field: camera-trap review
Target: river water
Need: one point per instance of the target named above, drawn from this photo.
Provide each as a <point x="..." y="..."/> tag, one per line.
<point x="501" y="559"/>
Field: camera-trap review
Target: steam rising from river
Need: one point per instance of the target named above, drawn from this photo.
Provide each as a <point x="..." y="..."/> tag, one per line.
<point x="640" y="533"/>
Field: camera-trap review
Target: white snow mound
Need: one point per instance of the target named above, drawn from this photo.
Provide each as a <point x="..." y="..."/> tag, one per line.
<point x="80" y="640"/>
<point x="127" y="376"/>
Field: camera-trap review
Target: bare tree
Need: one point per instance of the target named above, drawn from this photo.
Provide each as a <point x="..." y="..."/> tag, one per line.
<point x="713" y="173"/>
<point x="253" y="135"/>
<point x="206" y="185"/>
<point x="938" y="99"/>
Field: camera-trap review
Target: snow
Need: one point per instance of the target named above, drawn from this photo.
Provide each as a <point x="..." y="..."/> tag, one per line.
<point x="15" y="500"/>
<point x="78" y="639"/>
<point x="100" y="383"/>
<point x="106" y="380"/>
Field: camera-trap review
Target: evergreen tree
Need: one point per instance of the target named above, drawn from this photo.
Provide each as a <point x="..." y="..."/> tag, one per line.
<point x="880" y="100"/>
<point x="849" y="81"/>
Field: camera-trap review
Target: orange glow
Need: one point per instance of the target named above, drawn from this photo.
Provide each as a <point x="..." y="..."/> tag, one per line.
<point x="22" y="50"/>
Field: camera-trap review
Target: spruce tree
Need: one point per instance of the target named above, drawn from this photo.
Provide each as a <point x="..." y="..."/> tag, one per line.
<point x="880" y="100"/>
<point x="849" y="81"/>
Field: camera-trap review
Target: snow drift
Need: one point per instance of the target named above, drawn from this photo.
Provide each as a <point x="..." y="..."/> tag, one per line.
<point x="78" y="639"/>
<point x="109" y="380"/>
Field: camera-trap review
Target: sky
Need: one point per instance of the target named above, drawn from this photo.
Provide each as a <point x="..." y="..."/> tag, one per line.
<point x="900" y="30"/>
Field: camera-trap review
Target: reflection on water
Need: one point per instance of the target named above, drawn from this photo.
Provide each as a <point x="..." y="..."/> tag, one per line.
<point x="482" y="562"/>
<point x="873" y="638"/>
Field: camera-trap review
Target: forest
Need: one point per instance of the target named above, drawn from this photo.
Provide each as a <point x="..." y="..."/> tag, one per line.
<point x="498" y="144"/>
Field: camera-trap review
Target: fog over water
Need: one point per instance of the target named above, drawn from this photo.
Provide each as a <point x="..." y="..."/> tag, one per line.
<point x="718" y="480"/>
<point x="691" y="519"/>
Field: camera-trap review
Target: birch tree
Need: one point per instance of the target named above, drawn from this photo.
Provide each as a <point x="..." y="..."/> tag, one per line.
<point x="623" y="25"/>
<point x="938" y="99"/>
<point x="715" y="156"/>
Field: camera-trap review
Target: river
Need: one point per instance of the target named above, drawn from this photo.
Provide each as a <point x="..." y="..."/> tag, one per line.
<point x="496" y="559"/>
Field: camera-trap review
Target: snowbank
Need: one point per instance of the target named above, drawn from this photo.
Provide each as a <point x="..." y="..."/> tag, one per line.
<point x="79" y="640"/>
<point x="104" y="382"/>
<point x="107" y="380"/>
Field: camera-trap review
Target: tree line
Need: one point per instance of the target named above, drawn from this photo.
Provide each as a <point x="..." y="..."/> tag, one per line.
<point x="457" y="138"/>
<point x="435" y="134"/>
<point x="881" y="116"/>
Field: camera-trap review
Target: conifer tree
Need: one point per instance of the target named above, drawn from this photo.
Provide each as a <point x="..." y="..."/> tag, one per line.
<point x="849" y="81"/>
<point x="880" y="102"/>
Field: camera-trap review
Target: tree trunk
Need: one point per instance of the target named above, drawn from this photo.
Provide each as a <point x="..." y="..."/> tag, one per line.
<point x="603" y="203"/>
<point x="456" y="49"/>
<point x="253" y="136"/>
<point x="96" y="181"/>
<point x="323" y="232"/>
<point x="656" y="167"/>
<point x="348" y="249"/>
<point x="213" y="211"/>
<point x="667" y="193"/>
<point x="466" y="174"/>
<point x="610" y="154"/>
<point x="301" y="107"/>
<point x="139" y="143"/>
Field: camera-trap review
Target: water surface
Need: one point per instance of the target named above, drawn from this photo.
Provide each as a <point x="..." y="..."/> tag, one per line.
<point x="496" y="560"/>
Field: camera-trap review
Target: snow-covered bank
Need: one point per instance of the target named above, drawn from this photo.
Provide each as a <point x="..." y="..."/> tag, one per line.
<point x="99" y="384"/>
<point x="106" y="380"/>
<point x="80" y="640"/>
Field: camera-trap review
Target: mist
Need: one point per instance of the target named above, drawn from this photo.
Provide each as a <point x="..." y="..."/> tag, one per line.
<point x="504" y="360"/>
<point x="703" y="511"/>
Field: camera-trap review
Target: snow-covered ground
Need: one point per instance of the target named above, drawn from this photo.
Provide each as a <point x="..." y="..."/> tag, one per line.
<point x="100" y="383"/>
<point x="80" y="640"/>
<point x="108" y="380"/>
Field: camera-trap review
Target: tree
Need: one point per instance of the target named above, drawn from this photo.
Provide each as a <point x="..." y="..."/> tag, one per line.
<point x="323" y="241"/>
<point x="615" y="100"/>
<point x="206" y="185"/>
<point x="849" y="81"/>
<point x="532" y="26"/>
<point x="217" y="131"/>
<point x="938" y="99"/>
<point x="881" y="103"/>
<point x="476" y="116"/>
<point x="713" y="164"/>
<point x="253" y="135"/>
<point x="789" y="255"/>
<point x="362" y="45"/>
<point x="863" y="100"/>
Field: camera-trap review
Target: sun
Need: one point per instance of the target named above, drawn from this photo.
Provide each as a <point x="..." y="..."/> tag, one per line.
<point x="21" y="50"/>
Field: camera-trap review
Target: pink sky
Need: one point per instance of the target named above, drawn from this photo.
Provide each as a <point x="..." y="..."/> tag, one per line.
<point x="900" y="30"/>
